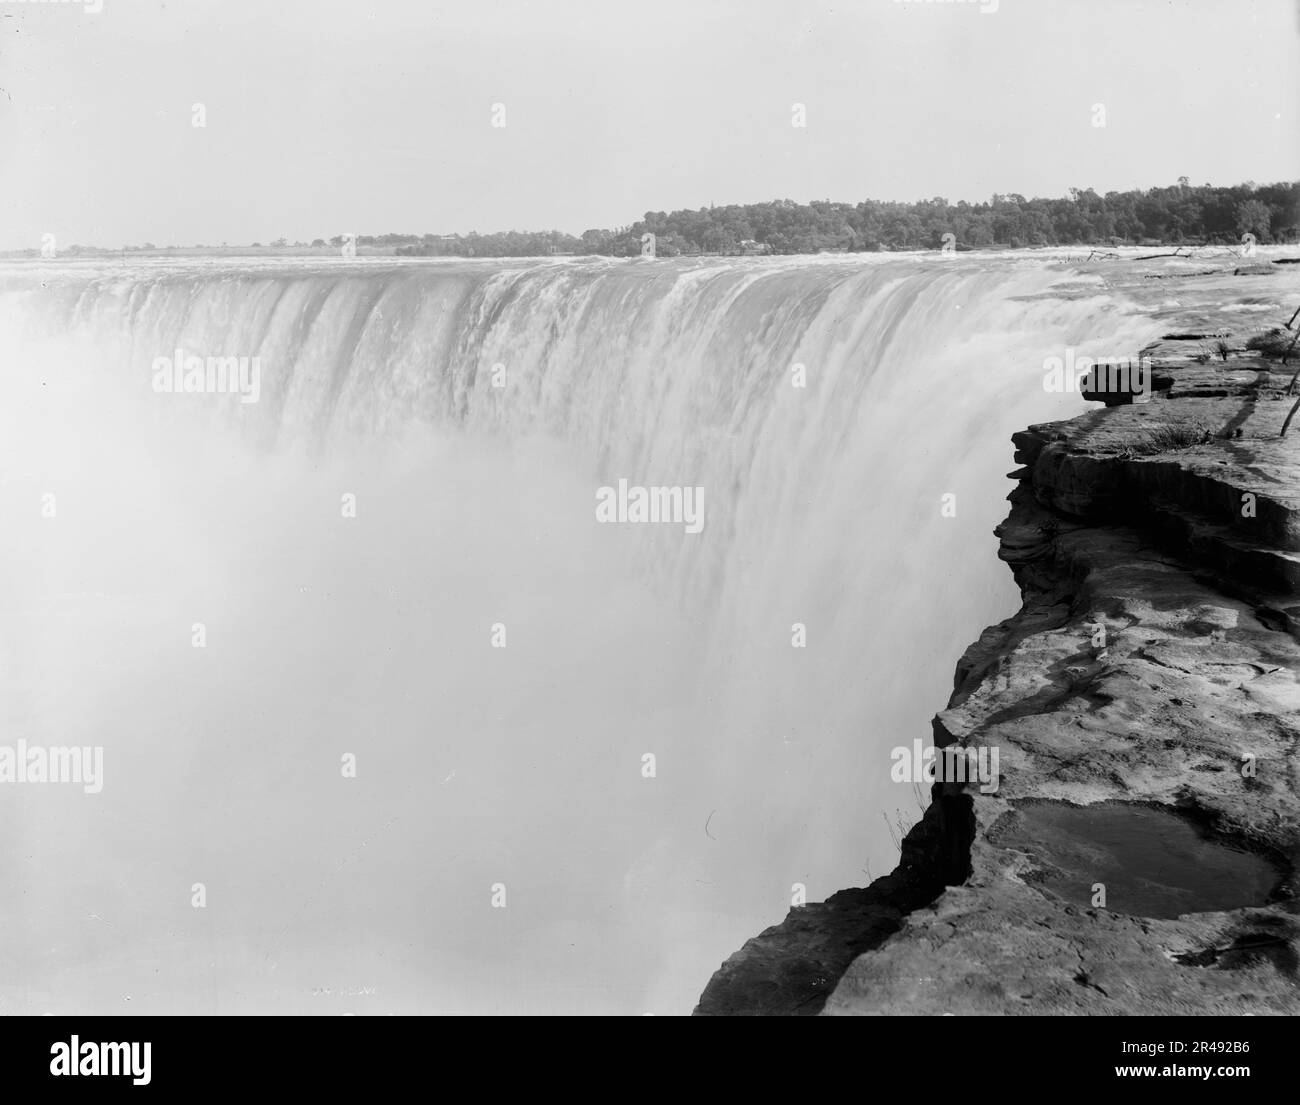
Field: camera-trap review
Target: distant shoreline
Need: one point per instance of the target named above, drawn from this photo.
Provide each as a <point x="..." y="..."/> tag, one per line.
<point x="332" y="254"/>
<point x="1179" y="215"/>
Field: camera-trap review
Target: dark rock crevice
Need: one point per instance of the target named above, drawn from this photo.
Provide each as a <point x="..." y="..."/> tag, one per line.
<point x="792" y="968"/>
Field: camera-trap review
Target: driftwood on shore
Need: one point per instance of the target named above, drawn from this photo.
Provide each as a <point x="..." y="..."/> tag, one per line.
<point x="1152" y="256"/>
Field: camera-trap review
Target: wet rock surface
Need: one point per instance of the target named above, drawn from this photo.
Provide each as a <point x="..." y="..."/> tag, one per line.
<point x="1145" y="861"/>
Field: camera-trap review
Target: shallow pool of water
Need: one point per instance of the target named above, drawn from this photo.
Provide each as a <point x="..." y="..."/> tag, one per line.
<point x="1151" y="862"/>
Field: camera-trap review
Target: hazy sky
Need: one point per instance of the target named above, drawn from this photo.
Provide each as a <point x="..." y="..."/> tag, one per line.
<point x="326" y="116"/>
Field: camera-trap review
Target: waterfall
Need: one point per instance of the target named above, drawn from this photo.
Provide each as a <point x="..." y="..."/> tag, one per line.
<point x="467" y="413"/>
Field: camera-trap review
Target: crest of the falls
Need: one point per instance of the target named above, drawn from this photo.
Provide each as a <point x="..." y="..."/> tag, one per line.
<point x="825" y="407"/>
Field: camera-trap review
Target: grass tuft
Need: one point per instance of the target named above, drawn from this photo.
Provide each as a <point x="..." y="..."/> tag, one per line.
<point x="1273" y="344"/>
<point x="1154" y="440"/>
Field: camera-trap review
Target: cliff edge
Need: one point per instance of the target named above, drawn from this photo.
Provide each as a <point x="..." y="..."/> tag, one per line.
<point x="1139" y="854"/>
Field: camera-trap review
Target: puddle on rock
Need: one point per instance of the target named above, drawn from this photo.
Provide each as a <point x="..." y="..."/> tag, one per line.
<point x="1153" y="862"/>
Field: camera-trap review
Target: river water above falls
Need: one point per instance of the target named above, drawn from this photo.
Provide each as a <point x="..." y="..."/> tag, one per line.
<point x="386" y="811"/>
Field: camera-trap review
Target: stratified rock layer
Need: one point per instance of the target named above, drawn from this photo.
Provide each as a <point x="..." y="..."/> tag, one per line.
<point x="1154" y="661"/>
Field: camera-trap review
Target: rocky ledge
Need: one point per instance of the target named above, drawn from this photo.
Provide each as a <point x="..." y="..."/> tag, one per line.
<point x="1140" y="853"/>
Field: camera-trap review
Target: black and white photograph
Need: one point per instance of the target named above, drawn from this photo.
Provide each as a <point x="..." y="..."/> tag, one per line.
<point x="553" y="508"/>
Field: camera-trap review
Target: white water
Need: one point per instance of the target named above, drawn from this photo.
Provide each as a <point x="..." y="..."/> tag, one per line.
<point x="475" y="505"/>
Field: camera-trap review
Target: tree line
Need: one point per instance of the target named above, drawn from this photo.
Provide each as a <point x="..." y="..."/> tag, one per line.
<point x="1182" y="213"/>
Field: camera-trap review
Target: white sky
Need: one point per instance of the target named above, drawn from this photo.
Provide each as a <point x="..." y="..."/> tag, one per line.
<point x="327" y="117"/>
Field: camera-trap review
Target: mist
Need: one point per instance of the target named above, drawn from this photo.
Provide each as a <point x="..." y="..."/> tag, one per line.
<point x="366" y="667"/>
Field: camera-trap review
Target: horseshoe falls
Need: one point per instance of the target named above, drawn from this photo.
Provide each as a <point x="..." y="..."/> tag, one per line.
<point x="390" y="720"/>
